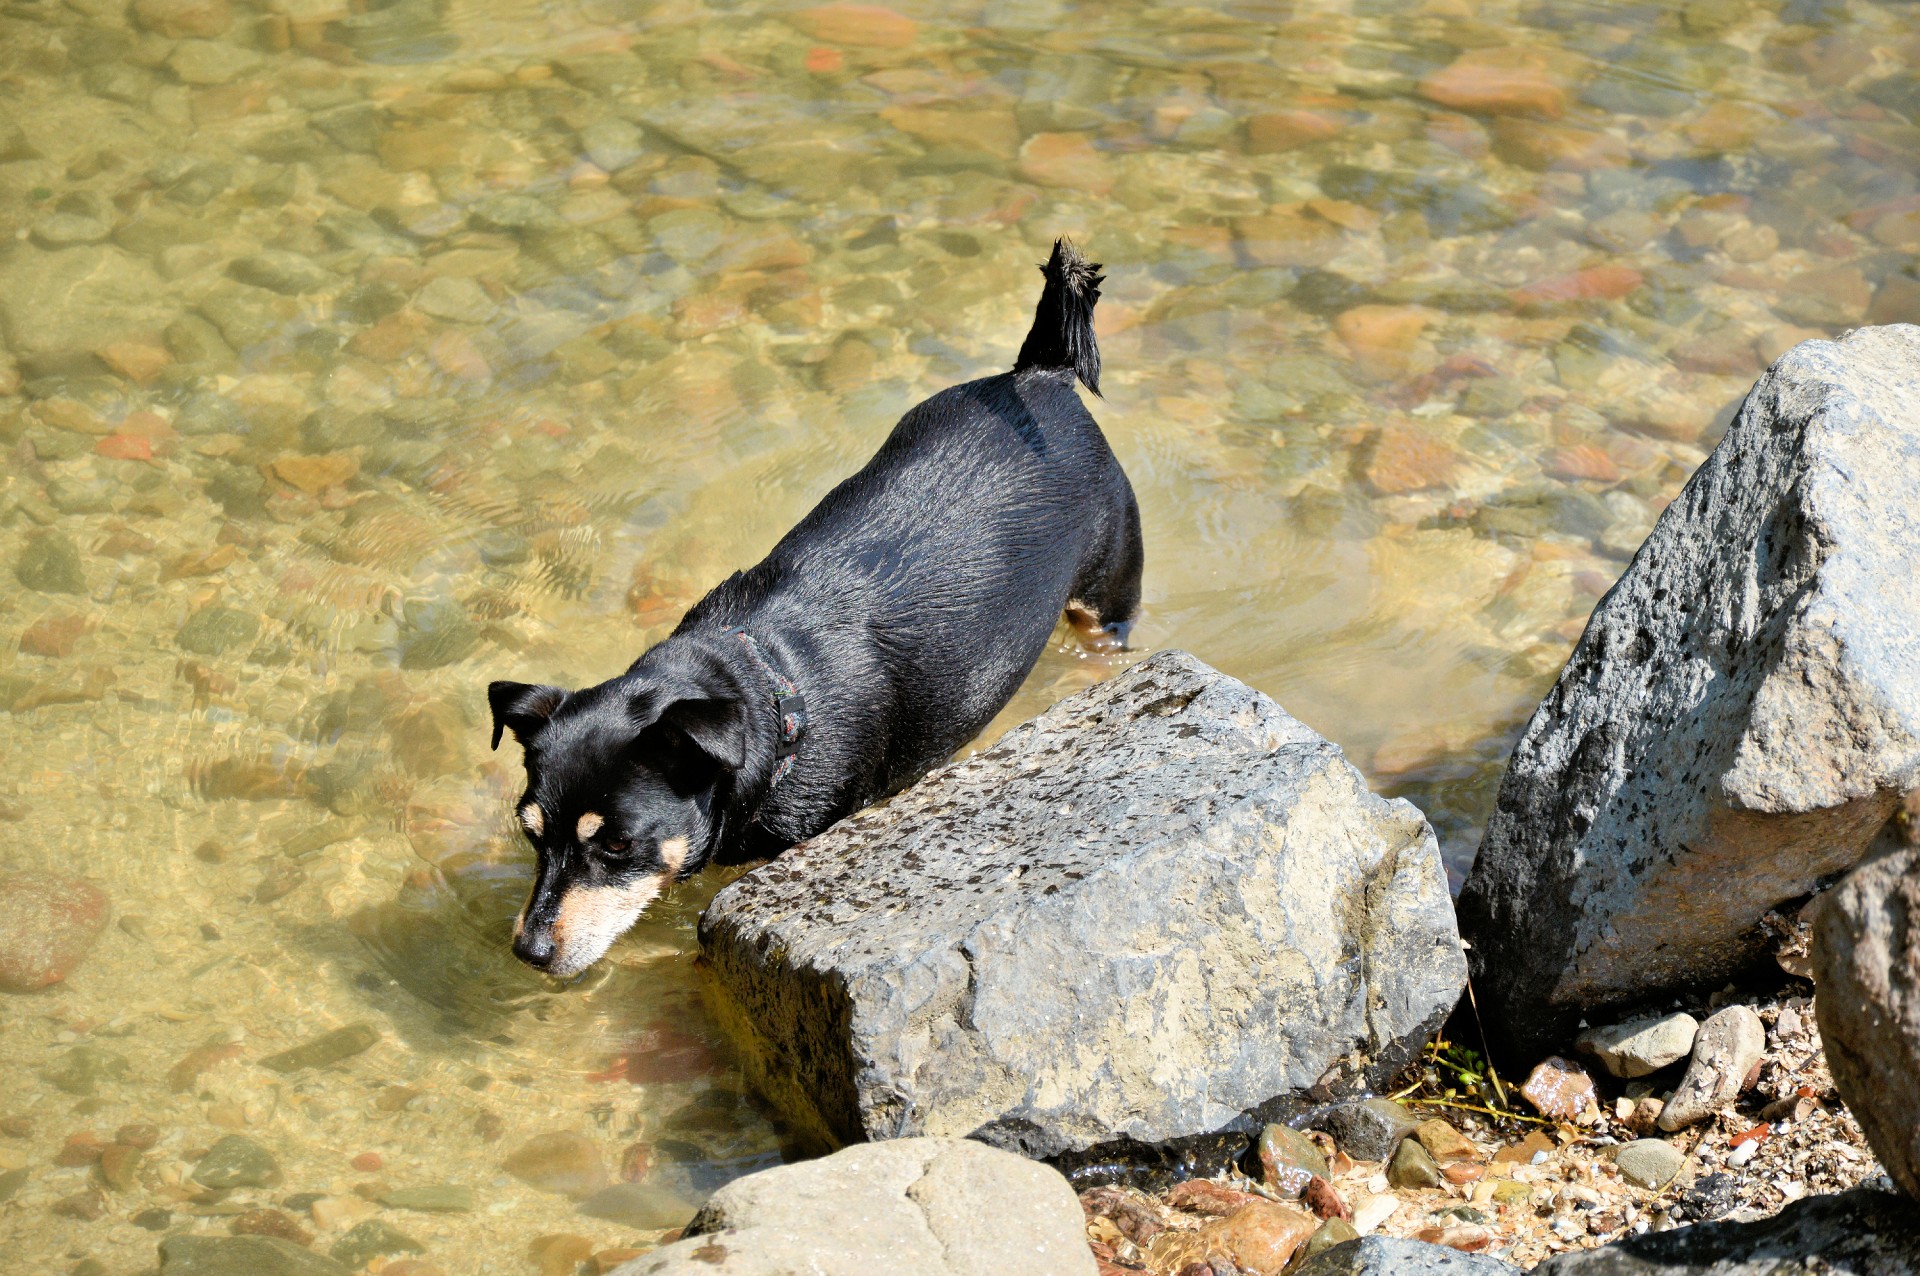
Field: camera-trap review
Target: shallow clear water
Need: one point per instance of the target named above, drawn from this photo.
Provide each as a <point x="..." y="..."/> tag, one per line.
<point x="353" y="359"/>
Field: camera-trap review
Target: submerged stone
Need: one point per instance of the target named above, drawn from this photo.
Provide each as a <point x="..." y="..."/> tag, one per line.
<point x="213" y="631"/>
<point x="433" y="1198"/>
<point x="563" y="1162"/>
<point x="644" y="1206"/>
<point x="325" y="1050"/>
<point x="435" y="632"/>
<point x="65" y="305"/>
<point x="48" y="926"/>
<point x="283" y="272"/>
<point x="372" y="1238"/>
<point x="50" y="563"/>
<point x="237" y="1161"/>
<point x="242" y="1256"/>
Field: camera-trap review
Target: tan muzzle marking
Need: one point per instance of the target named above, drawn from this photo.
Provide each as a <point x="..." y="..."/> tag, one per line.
<point x="592" y="917"/>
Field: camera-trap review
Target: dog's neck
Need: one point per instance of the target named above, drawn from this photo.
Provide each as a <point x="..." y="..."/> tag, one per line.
<point x="789" y="706"/>
<point x="777" y="715"/>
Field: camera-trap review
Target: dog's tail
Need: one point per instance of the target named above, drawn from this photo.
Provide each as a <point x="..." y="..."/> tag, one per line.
<point x="1062" y="335"/>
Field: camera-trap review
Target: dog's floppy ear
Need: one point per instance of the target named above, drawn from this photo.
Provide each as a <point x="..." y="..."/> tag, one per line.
<point x="717" y="725"/>
<point x="522" y="708"/>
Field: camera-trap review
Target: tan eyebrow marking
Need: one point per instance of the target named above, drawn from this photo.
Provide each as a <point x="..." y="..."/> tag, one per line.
<point x="534" y="818"/>
<point x="589" y="825"/>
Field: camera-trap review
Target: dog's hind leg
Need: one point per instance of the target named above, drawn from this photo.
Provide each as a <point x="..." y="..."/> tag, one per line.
<point x="1106" y="594"/>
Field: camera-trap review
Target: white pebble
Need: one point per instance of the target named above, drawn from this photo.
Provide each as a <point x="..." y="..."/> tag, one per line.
<point x="1744" y="1153"/>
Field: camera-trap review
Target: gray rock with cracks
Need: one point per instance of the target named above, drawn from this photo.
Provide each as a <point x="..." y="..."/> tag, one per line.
<point x="1738" y="720"/>
<point x="1160" y="905"/>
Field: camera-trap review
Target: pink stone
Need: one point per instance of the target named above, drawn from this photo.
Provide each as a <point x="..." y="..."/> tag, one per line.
<point x="1561" y="1090"/>
<point x="48" y="925"/>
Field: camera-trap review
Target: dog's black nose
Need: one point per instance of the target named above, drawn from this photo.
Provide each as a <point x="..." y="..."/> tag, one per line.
<point x="535" y="948"/>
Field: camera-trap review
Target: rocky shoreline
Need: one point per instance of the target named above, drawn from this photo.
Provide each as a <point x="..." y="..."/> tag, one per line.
<point x="1138" y="921"/>
<point x="1519" y="1185"/>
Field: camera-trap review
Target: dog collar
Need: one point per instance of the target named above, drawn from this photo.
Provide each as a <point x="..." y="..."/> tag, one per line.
<point x="788" y="705"/>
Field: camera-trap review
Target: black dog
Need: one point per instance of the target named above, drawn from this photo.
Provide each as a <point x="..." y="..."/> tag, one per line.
<point x="880" y="635"/>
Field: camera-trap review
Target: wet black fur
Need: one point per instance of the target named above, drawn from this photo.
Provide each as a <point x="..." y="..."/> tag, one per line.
<point x="907" y="607"/>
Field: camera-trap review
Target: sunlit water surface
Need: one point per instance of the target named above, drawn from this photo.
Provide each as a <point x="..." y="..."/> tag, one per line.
<point x="356" y="358"/>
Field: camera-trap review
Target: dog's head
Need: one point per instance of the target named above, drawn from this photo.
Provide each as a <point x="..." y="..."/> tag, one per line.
<point x="623" y="785"/>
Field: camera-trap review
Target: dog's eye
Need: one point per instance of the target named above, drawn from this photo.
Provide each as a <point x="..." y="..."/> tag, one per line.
<point x="619" y="846"/>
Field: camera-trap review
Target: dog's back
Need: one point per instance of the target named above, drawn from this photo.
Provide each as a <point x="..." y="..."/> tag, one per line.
<point x="931" y="579"/>
<point x="879" y="636"/>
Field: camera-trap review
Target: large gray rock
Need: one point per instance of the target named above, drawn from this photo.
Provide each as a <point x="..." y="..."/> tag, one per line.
<point x="1737" y="722"/>
<point x="1386" y="1256"/>
<point x="1866" y="959"/>
<point x="942" y="1207"/>
<point x="1859" y="1233"/>
<point x="1155" y="907"/>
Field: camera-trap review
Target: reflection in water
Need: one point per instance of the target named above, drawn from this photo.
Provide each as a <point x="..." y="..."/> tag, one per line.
<point x="356" y="354"/>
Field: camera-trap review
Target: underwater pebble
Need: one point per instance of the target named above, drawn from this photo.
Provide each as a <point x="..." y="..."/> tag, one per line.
<point x="237" y="1161"/>
<point x="372" y="1239"/>
<point x="859" y="25"/>
<point x="325" y="1050"/>
<point x="435" y="1198"/>
<point x="243" y="1256"/>
<point x="50" y="563"/>
<point x="270" y="1222"/>
<point x="49" y="924"/>
<point x="561" y="1162"/>
<point x="184" y="19"/>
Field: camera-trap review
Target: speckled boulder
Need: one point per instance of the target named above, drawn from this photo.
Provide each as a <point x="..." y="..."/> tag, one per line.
<point x="1152" y="910"/>
<point x="1739" y="719"/>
